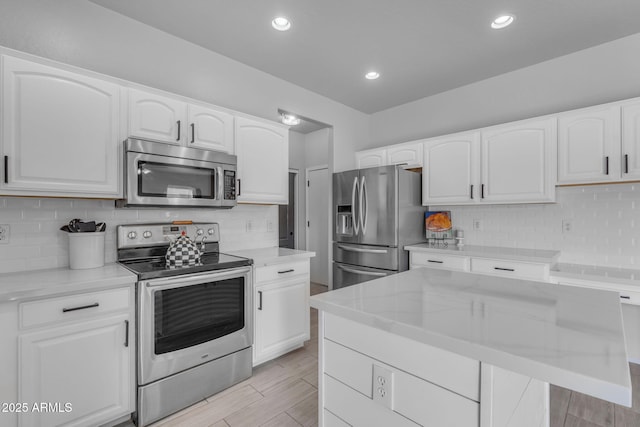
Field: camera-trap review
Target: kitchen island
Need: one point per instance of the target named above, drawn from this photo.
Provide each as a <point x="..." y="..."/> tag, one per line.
<point x="443" y="348"/>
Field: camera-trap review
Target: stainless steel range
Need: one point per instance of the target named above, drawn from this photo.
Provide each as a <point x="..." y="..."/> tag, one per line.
<point x="194" y="322"/>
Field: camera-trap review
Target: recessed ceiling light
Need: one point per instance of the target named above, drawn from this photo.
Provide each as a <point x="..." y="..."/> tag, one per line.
<point x="372" y="75"/>
<point x="290" y="119"/>
<point x="281" y="23"/>
<point x="502" y="21"/>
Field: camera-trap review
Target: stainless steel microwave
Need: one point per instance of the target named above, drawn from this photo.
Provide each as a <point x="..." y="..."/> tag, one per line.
<point x="164" y="175"/>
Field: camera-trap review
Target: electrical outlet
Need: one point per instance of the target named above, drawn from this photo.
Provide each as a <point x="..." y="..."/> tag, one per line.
<point x="383" y="386"/>
<point x="5" y="231"/>
<point x="478" y="224"/>
<point x="567" y="225"/>
<point x="249" y="226"/>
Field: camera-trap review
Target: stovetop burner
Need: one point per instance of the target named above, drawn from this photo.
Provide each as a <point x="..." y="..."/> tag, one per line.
<point x="141" y="249"/>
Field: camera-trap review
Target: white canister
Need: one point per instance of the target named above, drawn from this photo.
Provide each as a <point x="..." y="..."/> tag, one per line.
<point x="86" y="250"/>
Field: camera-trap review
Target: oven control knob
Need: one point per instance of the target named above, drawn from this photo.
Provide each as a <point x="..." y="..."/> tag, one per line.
<point x="147" y="234"/>
<point x="211" y="231"/>
<point x="132" y="235"/>
<point x="199" y="231"/>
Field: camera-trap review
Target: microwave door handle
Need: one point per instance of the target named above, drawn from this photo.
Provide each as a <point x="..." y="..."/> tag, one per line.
<point x="220" y="195"/>
<point x="354" y="192"/>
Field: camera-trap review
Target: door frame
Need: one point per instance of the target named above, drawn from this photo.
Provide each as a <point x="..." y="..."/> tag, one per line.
<point x="306" y="216"/>
<point x="296" y="217"/>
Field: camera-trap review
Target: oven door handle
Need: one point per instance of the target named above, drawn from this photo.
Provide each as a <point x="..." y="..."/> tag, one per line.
<point x="195" y="279"/>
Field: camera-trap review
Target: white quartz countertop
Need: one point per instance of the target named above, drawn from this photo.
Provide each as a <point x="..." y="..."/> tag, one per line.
<point x="44" y="283"/>
<point x="619" y="277"/>
<point x="541" y="330"/>
<point x="266" y="256"/>
<point x="515" y="254"/>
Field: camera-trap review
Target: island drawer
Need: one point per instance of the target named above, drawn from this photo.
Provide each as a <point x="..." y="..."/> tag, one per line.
<point x="73" y="307"/>
<point x="374" y="380"/>
<point x="281" y="271"/>
<point x="432" y="260"/>
<point x="496" y="267"/>
<point x="424" y="361"/>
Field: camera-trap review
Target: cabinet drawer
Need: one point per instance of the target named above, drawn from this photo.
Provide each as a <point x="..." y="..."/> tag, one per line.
<point x="281" y="271"/>
<point x="510" y="268"/>
<point x="448" y="262"/>
<point x="45" y="312"/>
<point x="626" y="297"/>
<point x="398" y="351"/>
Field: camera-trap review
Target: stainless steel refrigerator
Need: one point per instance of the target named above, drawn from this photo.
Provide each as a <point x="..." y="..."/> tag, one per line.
<point x="376" y="211"/>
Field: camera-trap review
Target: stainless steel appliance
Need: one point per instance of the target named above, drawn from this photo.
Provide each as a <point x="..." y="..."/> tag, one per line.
<point x="377" y="211"/>
<point x="194" y="323"/>
<point x="158" y="174"/>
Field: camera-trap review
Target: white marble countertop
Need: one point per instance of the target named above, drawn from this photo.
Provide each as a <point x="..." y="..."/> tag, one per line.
<point x="44" y="283"/>
<point x="514" y="254"/>
<point x="266" y="256"/>
<point x="619" y="277"/>
<point x="538" y="329"/>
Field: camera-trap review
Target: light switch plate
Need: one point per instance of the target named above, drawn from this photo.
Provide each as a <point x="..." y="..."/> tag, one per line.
<point x="383" y="386"/>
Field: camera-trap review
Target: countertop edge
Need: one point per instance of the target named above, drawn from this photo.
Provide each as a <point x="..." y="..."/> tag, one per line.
<point x="477" y="251"/>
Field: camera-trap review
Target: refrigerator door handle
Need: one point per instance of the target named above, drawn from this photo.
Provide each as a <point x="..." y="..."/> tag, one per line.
<point x="364" y="208"/>
<point x="366" y="273"/>
<point x="368" y="251"/>
<point x="354" y="214"/>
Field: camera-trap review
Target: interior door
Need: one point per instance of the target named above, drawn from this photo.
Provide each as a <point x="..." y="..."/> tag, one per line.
<point x="287" y="217"/>
<point x="378" y="193"/>
<point x="318" y="223"/>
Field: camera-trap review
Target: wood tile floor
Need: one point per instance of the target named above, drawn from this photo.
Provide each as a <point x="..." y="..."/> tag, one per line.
<point x="284" y="392"/>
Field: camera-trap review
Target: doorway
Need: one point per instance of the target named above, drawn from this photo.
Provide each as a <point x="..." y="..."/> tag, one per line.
<point x="317" y="208"/>
<point x="287" y="216"/>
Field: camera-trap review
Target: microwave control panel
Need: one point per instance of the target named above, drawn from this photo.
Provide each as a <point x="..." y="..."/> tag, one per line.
<point x="229" y="185"/>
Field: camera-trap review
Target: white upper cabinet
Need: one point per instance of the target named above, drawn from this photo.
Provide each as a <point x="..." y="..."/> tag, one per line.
<point x="263" y="162"/>
<point x="170" y="120"/>
<point x="518" y="162"/>
<point x="156" y="117"/>
<point x="405" y="154"/>
<point x="451" y="169"/>
<point x="589" y="145"/>
<point x="631" y="140"/>
<point x="210" y="129"/>
<point x="60" y="132"/>
<point x="371" y="158"/>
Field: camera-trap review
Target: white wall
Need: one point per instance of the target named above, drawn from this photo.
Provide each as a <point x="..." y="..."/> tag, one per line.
<point x="36" y="241"/>
<point x="600" y="74"/>
<point x="81" y="33"/>
<point x="317" y="147"/>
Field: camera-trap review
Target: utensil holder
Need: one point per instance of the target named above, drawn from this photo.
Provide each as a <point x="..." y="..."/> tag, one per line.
<point x="86" y="250"/>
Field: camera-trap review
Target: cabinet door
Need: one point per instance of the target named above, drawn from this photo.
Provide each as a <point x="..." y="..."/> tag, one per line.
<point x="281" y="317"/>
<point x="631" y="141"/>
<point x="86" y="365"/>
<point x="589" y="145"/>
<point x="451" y="167"/>
<point x="263" y="162"/>
<point x="405" y="154"/>
<point x="157" y="117"/>
<point x="210" y="129"/>
<point x="369" y="159"/>
<point x="60" y="131"/>
<point x="519" y="162"/>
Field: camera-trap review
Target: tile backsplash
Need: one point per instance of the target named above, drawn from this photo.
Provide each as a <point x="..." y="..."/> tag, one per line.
<point x="604" y="225"/>
<point x="35" y="241"/>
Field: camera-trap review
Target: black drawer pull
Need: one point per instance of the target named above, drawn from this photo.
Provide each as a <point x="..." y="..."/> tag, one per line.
<point x="626" y="163"/>
<point x="126" y="333"/>
<point x="178" y="138"/>
<point x="482" y="191"/>
<point x="193" y="132"/>
<point x="6" y="169"/>
<point x="606" y="165"/>
<point x="260" y="300"/>
<point x="82" y="307"/>
<point x="286" y="271"/>
<point x="503" y="269"/>
<point x="435" y="261"/>
<point x="471" y="191"/>
<point x="625" y="297"/>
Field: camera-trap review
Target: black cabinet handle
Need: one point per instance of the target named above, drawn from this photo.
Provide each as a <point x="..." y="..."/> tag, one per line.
<point x="259" y="300"/>
<point x="482" y="191"/>
<point x="6" y="169"/>
<point x="83" y="307"/>
<point x="626" y="164"/>
<point x="126" y="333"/>
<point x="193" y="132"/>
<point x="472" y="191"/>
<point x="434" y="261"/>
<point x="178" y="138"/>
<point x="503" y="269"/>
<point x="286" y="271"/>
<point x="625" y="297"/>
<point x="606" y="165"/>
<point x="239" y="186"/>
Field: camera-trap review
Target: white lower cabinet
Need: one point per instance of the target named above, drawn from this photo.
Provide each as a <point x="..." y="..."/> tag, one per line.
<point x="281" y="315"/>
<point x="77" y="369"/>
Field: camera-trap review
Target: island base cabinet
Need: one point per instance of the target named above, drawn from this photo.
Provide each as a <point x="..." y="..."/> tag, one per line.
<point x="77" y="375"/>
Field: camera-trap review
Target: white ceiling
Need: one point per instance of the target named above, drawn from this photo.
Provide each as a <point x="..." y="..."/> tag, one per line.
<point x="420" y="47"/>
